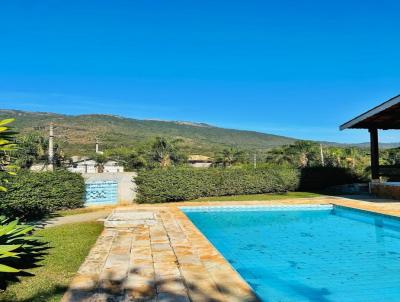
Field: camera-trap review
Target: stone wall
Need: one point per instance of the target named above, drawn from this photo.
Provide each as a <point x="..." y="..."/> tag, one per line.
<point x="386" y="190"/>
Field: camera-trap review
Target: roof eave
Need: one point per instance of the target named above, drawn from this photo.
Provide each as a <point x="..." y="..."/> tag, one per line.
<point x="393" y="101"/>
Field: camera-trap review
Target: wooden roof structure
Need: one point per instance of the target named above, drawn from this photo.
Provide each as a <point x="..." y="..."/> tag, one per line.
<point x="385" y="116"/>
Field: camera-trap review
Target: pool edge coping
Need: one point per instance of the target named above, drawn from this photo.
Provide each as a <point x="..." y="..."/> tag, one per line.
<point x="363" y="206"/>
<point x="333" y="201"/>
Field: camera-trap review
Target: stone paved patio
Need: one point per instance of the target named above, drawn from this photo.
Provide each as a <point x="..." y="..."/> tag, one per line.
<point x="154" y="253"/>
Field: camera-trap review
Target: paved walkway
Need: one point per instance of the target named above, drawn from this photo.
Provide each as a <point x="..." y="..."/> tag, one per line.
<point x="154" y="253"/>
<point x="84" y="217"/>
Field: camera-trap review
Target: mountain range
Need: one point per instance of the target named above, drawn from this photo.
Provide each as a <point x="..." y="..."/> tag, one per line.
<point x="77" y="133"/>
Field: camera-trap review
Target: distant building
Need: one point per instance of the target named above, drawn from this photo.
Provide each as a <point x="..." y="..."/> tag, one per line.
<point x="41" y="167"/>
<point x="112" y="167"/>
<point x="85" y="165"/>
<point x="199" y="161"/>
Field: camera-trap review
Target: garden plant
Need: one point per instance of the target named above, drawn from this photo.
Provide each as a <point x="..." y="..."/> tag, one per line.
<point x="19" y="250"/>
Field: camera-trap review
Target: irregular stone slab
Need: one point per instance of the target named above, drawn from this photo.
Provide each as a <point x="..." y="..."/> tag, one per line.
<point x="127" y="216"/>
<point x="155" y="254"/>
<point x="129" y="219"/>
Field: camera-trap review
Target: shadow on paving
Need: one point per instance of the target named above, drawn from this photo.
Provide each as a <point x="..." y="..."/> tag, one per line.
<point x="164" y="289"/>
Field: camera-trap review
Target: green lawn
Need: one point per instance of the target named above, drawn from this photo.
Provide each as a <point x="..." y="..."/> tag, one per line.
<point x="260" y="197"/>
<point x="70" y="245"/>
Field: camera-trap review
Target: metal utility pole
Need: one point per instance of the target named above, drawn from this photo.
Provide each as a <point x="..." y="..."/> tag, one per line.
<point x="51" y="147"/>
<point x="255" y="160"/>
<point x="322" y="156"/>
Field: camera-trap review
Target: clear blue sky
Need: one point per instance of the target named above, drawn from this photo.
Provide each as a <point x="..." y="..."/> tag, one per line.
<point x="294" y="68"/>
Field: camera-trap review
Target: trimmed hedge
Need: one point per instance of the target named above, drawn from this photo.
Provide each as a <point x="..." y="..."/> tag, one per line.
<point x="35" y="195"/>
<point x="178" y="184"/>
<point x="319" y="178"/>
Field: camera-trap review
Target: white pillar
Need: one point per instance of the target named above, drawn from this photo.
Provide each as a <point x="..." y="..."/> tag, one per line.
<point x="97" y="145"/>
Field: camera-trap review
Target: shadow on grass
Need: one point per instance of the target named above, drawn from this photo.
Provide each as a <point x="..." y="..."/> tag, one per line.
<point x="30" y="255"/>
<point x="42" y="222"/>
<point x="38" y="297"/>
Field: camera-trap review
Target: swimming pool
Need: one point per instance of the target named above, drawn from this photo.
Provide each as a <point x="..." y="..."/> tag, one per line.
<point x="311" y="253"/>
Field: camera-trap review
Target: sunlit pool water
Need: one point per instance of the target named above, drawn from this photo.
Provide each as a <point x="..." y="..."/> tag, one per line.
<point x="307" y="253"/>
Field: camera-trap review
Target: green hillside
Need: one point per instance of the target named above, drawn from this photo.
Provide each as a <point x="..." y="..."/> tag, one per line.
<point x="77" y="133"/>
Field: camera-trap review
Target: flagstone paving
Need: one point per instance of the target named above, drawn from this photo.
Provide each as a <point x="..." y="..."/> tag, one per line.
<point x="154" y="253"/>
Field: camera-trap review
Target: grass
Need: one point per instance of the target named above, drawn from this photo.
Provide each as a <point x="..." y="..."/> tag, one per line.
<point x="260" y="197"/>
<point x="69" y="245"/>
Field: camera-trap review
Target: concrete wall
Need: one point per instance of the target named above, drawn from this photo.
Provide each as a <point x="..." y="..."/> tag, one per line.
<point x="113" y="169"/>
<point x="41" y="168"/>
<point x="83" y="169"/>
<point x="126" y="187"/>
<point x="92" y="168"/>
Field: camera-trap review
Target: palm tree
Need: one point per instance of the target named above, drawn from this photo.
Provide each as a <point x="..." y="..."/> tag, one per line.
<point x="351" y="156"/>
<point x="301" y="153"/>
<point x="100" y="160"/>
<point x="166" y="153"/>
<point x="31" y="148"/>
<point x="280" y="156"/>
<point x="229" y="156"/>
<point x="304" y="151"/>
<point x="130" y="158"/>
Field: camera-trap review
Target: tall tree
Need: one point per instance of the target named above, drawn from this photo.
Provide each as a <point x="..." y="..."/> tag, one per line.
<point x="166" y="152"/>
<point x="230" y="156"/>
<point x="131" y="159"/>
<point x="392" y="156"/>
<point x="100" y="160"/>
<point x="301" y="154"/>
<point x="31" y="148"/>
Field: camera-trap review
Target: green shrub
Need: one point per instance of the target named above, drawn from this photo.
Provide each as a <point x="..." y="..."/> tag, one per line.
<point x="177" y="184"/>
<point x="35" y="195"/>
<point x="19" y="250"/>
<point x="318" y="178"/>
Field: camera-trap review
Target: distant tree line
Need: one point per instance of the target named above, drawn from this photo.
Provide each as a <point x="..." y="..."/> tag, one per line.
<point x="162" y="152"/>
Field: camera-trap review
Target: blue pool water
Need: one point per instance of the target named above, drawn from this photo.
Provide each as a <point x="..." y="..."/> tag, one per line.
<point x="308" y="254"/>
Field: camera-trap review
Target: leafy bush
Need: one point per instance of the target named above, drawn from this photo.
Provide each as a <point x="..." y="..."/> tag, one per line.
<point x="177" y="184"/>
<point x="6" y="145"/>
<point x="18" y="250"/>
<point x="317" y="178"/>
<point x="35" y="195"/>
